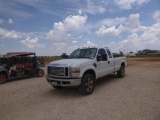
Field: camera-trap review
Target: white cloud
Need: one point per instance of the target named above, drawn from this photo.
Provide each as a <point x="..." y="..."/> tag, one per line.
<point x="74" y="22"/>
<point x="32" y="43"/>
<point x="80" y="12"/>
<point x="149" y="39"/>
<point x="156" y="15"/>
<point x="89" y="44"/>
<point x="74" y="41"/>
<point x="128" y="4"/>
<point x="10" y="21"/>
<point x="9" y="34"/>
<point x="112" y="22"/>
<point x="81" y="36"/>
<point x="133" y="24"/>
<point x="2" y="32"/>
<point x="71" y="23"/>
<point x="130" y="24"/>
<point x="1" y="21"/>
<point x="40" y="45"/>
<point x="94" y="8"/>
<point x="152" y="35"/>
<point x="133" y="21"/>
<point x="103" y="31"/>
<point x="60" y="31"/>
<point x="57" y="35"/>
<point x="69" y="35"/>
<point x="59" y="26"/>
<point x="72" y="48"/>
<point x="59" y="46"/>
<point x="132" y="43"/>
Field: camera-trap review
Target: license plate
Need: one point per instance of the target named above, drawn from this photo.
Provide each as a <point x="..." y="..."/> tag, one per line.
<point x="54" y="83"/>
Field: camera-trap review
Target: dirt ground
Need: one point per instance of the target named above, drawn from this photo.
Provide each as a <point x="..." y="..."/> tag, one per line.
<point x="134" y="97"/>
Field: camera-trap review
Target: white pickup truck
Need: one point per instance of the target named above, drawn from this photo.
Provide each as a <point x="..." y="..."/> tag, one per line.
<point x="83" y="67"/>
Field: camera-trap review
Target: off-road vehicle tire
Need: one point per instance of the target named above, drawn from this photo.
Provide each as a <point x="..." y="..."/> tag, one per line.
<point x="3" y="78"/>
<point x="40" y="72"/>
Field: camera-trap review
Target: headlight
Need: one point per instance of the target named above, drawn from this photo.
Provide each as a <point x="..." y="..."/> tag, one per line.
<point x="75" y="72"/>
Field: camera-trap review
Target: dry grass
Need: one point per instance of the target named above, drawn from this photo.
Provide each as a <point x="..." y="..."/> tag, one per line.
<point x="50" y="59"/>
<point x="133" y="61"/>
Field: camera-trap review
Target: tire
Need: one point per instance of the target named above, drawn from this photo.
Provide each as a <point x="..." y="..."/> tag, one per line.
<point x="87" y="84"/>
<point x="40" y="72"/>
<point x="121" y="72"/>
<point x="3" y="78"/>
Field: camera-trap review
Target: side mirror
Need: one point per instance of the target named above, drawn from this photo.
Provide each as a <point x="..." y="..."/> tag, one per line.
<point x="104" y="57"/>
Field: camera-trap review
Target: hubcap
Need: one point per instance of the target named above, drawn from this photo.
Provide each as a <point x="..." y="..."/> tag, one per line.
<point x="89" y="84"/>
<point x="122" y="70"/>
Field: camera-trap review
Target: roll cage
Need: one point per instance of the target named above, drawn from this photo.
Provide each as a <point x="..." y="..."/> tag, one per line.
<point x="21" y="57"/>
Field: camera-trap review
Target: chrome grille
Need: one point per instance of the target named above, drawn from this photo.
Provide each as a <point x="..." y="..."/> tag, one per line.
<point x="57" y="71"/>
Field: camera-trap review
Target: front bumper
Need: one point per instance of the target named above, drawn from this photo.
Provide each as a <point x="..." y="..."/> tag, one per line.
<point x="64" y="82"/>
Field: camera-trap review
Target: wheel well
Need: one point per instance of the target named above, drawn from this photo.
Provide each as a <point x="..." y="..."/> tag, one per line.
<point x="122" y="64"/>
<point x="90" y="71"/>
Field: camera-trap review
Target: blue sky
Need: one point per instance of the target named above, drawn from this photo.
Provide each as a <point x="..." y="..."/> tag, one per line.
<point x="51" y="27"/>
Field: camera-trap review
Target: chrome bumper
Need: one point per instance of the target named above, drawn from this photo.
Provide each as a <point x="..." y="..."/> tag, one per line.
<point x="64" y="82"/>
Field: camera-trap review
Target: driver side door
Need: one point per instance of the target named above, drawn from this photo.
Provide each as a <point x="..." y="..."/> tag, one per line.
<point x="102" y="64"/>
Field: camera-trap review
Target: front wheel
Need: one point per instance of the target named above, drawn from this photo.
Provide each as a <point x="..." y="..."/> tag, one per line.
<point x="121" y="72"/>
<point x="40" y="72"/>
<point x="3" y="78"/>
<point x="87" y="84"/>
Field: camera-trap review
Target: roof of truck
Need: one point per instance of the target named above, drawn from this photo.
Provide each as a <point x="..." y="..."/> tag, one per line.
<point x="93" y="47"/>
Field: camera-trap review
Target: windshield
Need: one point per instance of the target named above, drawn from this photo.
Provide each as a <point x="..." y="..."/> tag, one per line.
<point x="84" y="53"/>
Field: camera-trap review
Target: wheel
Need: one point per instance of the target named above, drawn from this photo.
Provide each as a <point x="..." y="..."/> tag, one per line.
<point x="57" y="87"/>
<point x="3" y="78"/>
<point x="121" y="72"/>
<point x="87" y="84"/>
<point x="40" y="72"/>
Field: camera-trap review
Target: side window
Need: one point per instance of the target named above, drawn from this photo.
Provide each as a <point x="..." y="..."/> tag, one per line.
<point x="101" y="52"/>
<point x="102" y="56"/>
<point x="109" y="53"/>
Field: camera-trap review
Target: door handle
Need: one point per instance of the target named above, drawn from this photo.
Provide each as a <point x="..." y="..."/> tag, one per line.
<point x="108" y="62"/>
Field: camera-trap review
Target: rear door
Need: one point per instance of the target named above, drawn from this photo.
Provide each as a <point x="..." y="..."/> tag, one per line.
<point x="110" y="62"/>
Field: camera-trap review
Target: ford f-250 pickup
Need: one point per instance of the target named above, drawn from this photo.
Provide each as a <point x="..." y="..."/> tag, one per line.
<point x="83" y="67"/>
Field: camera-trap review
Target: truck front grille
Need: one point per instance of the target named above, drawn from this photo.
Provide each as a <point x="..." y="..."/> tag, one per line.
<point x="58" y="71"/>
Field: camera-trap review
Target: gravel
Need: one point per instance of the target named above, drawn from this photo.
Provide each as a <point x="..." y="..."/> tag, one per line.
<point x="134" y="97"/>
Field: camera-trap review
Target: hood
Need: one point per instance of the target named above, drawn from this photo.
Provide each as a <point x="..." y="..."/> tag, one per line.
<point x="69" y="62"/>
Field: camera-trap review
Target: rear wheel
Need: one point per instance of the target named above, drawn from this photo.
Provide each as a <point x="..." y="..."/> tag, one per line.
<point x="3" y="78"/>
<point x="40" y="72"/>
<point x="87" y="84"/>
<point x="121" y="72"/>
